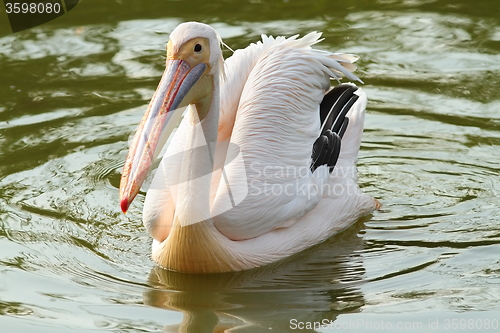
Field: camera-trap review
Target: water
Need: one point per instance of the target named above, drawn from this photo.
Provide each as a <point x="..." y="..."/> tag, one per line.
<point x="73" y="90"/>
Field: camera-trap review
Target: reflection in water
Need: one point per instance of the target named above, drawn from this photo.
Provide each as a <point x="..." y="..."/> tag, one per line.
<point x="315" y="285"/>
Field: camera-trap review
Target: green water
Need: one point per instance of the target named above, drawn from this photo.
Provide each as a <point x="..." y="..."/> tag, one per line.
<point x="73" y="90"/>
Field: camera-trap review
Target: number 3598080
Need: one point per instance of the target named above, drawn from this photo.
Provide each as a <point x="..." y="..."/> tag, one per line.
<point x="32" y="8"/>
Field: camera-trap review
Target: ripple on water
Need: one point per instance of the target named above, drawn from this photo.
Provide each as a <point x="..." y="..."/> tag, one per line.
<point x="428" y="155"/>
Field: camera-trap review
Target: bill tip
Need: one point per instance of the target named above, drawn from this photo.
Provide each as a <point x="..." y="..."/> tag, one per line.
<point x="124" y="205"/>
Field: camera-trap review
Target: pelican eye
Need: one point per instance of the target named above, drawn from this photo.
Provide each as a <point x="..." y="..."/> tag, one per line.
<point x="197" y="48"/>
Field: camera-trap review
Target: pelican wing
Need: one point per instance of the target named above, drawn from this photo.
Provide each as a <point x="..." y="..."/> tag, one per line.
<point x="270" y="111"/>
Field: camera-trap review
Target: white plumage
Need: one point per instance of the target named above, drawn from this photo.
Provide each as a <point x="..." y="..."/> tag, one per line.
<point x="264" y="114"/>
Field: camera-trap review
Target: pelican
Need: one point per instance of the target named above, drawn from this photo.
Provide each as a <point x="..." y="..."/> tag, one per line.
<point x="262" y="161"/>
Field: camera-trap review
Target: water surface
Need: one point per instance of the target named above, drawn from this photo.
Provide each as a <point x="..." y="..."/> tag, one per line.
<point x="73" y="90"/>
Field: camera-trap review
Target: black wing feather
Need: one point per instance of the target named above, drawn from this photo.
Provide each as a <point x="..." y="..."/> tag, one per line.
<point x="333" y="110"/>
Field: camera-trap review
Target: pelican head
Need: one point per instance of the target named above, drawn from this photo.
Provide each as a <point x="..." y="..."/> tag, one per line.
<point x="194" y="58"/>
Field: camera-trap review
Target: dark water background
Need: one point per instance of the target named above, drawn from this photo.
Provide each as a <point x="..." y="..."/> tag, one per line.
<point x="72" y="91"/>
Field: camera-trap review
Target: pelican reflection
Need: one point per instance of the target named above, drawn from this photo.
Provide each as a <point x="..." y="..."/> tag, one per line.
<point x="315" y="285"/>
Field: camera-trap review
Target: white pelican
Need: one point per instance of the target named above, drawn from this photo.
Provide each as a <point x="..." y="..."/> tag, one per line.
<point x="257" y="170"/>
